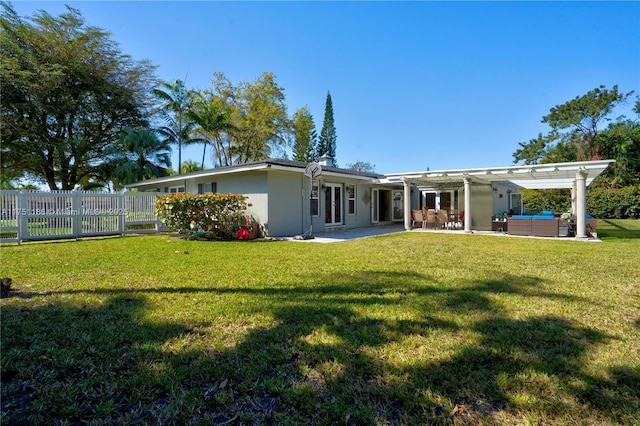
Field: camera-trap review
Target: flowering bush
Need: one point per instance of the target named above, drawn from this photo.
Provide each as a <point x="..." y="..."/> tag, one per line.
<point x="216" y="215"/>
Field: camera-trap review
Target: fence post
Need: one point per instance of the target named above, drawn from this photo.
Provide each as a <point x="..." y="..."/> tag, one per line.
<point x="121" y="212"/>
<point x="76" y="212"/>
<point x="23" y="224"/>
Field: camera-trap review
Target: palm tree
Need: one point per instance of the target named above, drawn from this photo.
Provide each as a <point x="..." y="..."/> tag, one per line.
<point x="176" y="101"/>
<point x="179" y="135"/>
<point x="189" y="166"/>
<point x="139" y="154"/>
<point x="212" y="118"/>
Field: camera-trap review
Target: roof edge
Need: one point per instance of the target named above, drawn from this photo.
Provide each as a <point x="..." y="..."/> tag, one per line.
<point x="280" y="164"/>
<point x="575" y="165"/>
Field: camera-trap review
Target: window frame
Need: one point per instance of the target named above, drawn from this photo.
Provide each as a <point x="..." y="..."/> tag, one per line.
<point x="351" y="200"/>
<point x="314" y="200"/>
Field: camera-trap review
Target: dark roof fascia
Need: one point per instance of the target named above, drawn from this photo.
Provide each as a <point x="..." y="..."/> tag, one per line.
<point x="336" y="170"/>
<point x="254" y="165"/>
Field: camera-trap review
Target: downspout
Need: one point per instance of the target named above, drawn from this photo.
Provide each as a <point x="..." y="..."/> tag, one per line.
<point x="302" y="202"/>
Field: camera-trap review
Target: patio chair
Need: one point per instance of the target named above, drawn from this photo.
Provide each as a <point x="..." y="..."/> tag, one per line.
<point x="454" y="218"/>
<point x="442" y="218"/>
<point x="431" y="218"/>
<point x="416" y="216"/>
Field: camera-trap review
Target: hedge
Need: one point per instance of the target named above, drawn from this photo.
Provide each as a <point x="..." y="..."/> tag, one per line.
<point x="213" y="215"/>
<point x="603" y="203"/>
<point x="614" y="202"/>
<point x="555" y="200"/>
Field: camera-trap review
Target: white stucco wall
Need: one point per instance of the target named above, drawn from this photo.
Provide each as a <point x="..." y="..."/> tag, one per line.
<point x="482" y="207"/>
<point x="500" y="199"/>
<point x="285" y="204"/>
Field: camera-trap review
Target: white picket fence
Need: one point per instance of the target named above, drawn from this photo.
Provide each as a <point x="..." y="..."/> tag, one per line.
<point x="37" y="215"/>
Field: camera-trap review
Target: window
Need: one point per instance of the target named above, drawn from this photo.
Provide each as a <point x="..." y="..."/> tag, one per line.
<point x="351" y="198"/>
<point x="176" y="189"/>
<point x="204" y="188"/>
<point x="315" y="211"/>
<point x="429" y="200"/>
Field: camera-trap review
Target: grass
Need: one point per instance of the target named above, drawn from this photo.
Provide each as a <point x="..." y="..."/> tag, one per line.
<point x="412" y="328"/>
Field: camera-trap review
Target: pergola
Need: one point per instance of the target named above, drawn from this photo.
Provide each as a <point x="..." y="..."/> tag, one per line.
<point x="576" y="176"/>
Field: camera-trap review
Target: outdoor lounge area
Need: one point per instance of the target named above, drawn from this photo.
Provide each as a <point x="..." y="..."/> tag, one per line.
<point x="491" y="198"/>
<point x="546" y="224"/>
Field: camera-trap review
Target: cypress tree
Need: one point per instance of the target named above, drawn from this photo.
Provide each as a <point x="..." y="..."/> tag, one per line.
<point x="327" y="141"/>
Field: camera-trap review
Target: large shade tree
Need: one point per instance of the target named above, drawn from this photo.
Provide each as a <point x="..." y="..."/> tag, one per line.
<point x="258" y="119"/>
<point x="575" y="126"/>
<point x="262" y="119"/>
<point x="67" y="92"/>
<point x="578" y="133"/>
<point x="304" y="135"/>
<point x="621" y="142"/>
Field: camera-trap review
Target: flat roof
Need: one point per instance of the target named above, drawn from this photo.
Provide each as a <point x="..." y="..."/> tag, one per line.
<point x="536" y="176"/>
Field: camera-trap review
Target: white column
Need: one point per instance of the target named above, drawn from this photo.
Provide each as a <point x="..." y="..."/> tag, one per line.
<point x="573" y="198"/>
<point x="407" y="204"/>
<point x="467" y="204"/>
<point x="581" y="204"/>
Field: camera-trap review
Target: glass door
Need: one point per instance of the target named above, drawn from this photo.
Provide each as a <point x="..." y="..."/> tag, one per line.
<point x="398" y="205"/>
<point x="333" y="204"/>
<point x="516" y="203"/>
<point x="374" y="206"/>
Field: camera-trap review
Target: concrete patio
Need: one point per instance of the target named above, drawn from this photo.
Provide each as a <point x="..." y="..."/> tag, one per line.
<point x="358" y="233"/>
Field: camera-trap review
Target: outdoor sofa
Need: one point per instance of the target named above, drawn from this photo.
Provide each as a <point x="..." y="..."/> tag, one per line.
<point x="544" y="224"/>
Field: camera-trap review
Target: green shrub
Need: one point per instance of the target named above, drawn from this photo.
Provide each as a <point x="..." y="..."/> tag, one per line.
<point x="213" y="215"/>
<point x="603" y="203"/>
<point x="555" y="200"/>
<point x="614" y="202"/>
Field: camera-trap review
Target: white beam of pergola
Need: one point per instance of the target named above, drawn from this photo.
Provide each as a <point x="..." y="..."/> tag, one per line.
<point x="538" y="176"/>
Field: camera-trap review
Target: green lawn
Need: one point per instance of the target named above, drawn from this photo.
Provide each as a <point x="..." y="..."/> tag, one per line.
<point x="411" y="328"/>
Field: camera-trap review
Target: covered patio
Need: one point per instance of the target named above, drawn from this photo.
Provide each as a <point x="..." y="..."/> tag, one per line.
<point x="575" y="176"/>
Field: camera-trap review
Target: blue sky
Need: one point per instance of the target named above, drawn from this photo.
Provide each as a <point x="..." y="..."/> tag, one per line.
<point x="415" y="85"/>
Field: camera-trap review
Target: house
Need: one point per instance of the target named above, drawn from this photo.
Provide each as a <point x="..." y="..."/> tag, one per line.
<point x="286" y="202"/>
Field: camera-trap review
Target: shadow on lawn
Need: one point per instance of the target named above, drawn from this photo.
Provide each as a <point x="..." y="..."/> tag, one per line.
<point x="63" y="363"/>
<point x="616" y="230"/>
<point x="324" y="362"/>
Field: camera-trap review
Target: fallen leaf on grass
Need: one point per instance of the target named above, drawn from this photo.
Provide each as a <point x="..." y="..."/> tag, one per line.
<point x="456" y="410"/>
